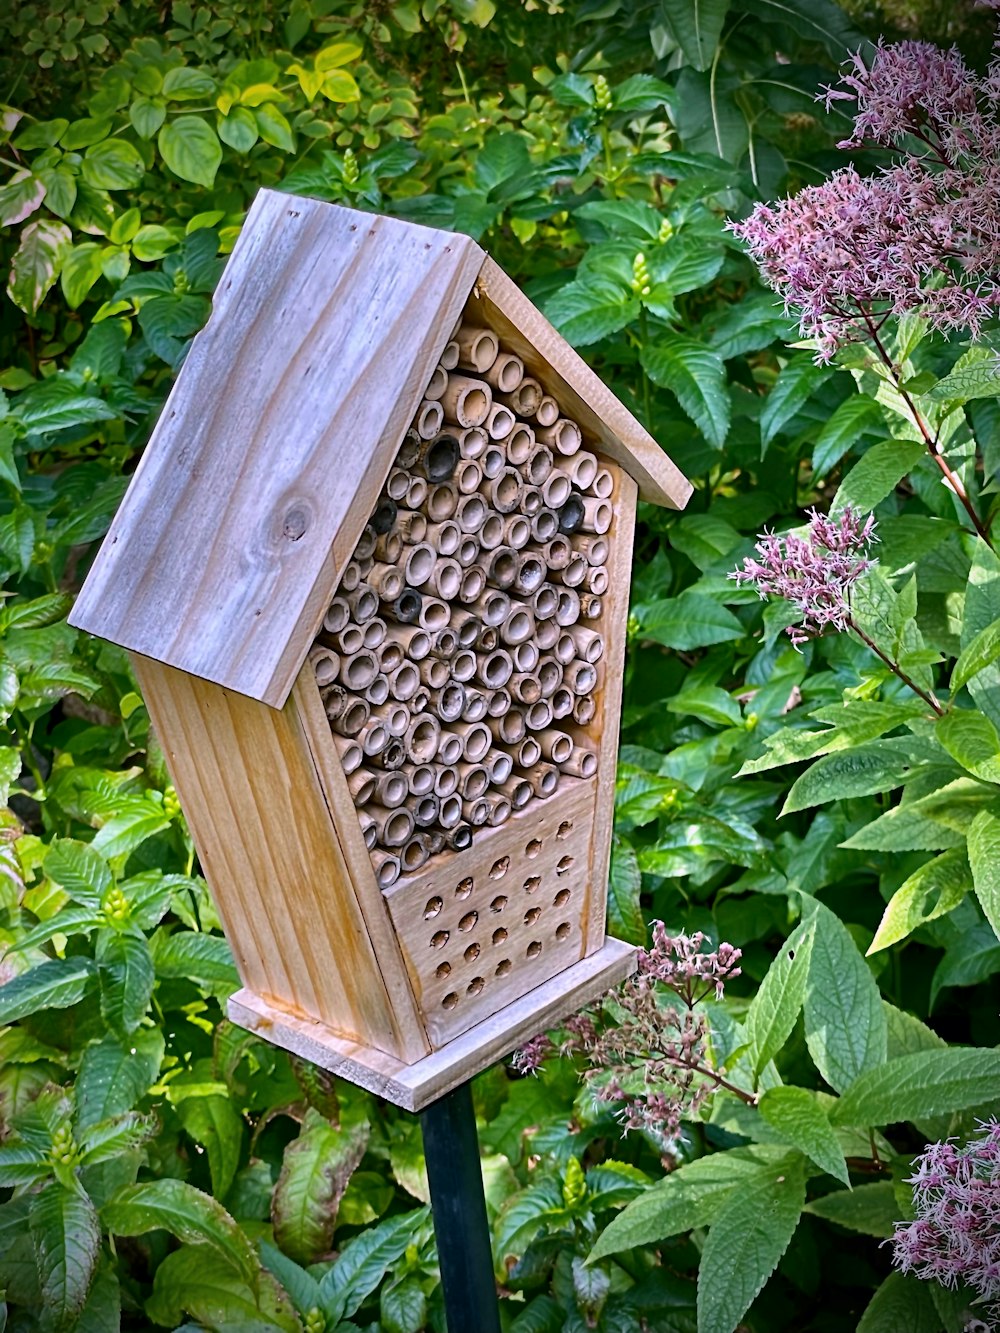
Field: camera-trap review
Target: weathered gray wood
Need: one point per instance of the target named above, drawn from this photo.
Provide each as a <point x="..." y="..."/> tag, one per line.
<point x="275" y="441"/>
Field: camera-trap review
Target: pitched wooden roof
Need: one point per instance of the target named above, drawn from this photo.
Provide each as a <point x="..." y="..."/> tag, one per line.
<point x="282" y="427"/>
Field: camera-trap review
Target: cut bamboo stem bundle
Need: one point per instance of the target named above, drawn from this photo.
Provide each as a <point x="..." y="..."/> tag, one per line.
<point x="505" y="373"/>
<point x="334" y="701"/>
<point x="581" y="763"/>
<point x="391" y="788"/>
<point x="394" y="826"/>
<point x="429" y="418"/>
<point x="466" y="401"/>
<point x="584" y="709"/>
<point x="325" y="664"/>
<point x="499" y="422"/>
<point x="563" y="436"/>
<point x="422" y="737"/>
<point x="437" y="383"/>
<point x="411" y="523"/>
<point x="526" y="398"/>
<point x="472" y="441"/>
<point x="597" y="515"/>
<point x="445" y="780"/>
<point x="385" y="865"/>
<point x="378" y="691"/>
<point x="519" y="443"/>
<point x="562" y="703"/>
<point x="547" y="411"/>
<point x="477" y="348"/>
<point x="450" y="355"/>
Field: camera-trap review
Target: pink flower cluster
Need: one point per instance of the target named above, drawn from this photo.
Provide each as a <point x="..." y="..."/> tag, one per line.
<point x="955" y="1236"/>
<point x="921" y="236"/>
<point x="816" y="572"/>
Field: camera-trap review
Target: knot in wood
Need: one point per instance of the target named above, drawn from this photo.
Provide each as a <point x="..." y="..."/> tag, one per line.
<point x="295" y="524"/>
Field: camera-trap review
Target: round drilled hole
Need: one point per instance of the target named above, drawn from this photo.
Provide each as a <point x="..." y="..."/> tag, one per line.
<point x="449" y="1001"/>
<point x="499" y="935"/>
<point x="532" y="915"/>
<point x="503" y="967"/>
<point x="475" y="986"/>
<point x="533" y="848"/>
<point x="472" y="953"/>
<point x="439" y="940"/>
<point x="561" y="898"/>
<point x="468" y="921"/>
<point x="500" y="868"/>
<point x="564" y="829"/>
<point x="443" y="970"/>
<point x="531" y="884"/>
<point x="463" y="888"/>
<point x="432" y="908"/>
<point x="562" y="930"/>
<point x="533" y="949"/>
<point x="498" y="903"/>
<point x="564" y="865"/>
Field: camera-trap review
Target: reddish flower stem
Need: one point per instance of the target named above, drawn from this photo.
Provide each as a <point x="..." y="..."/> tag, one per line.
<point x="895" y="668"/>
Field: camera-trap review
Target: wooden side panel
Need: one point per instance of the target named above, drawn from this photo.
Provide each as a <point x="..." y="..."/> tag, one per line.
<point x="248" y="786"/>
<point x="610" y="425"/>
<point x="272" y="448"/>
<point x="609" y="702"/>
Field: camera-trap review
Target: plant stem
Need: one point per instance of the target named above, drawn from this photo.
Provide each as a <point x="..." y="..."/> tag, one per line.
<point x="895" y="668"/>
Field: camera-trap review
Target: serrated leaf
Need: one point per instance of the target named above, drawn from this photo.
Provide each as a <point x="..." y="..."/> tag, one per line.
<point x="199" y="957"/>
<point x="314" y="1174"/>
<point x="877" y="474"/>
<point x="695" y="373"/>
<point x="800" y="1119"/>
<point x="748" y="1236"/>
<point x="932" y="891"/>
<point x="846" y="1028"/>
<point x="869" y="1209"/>
<point x="849" y="422"/>
<point x="122" y="834"/>
<point x="686" y="622"/>
<point x="779" y="998"/>
<point x="976" y="374"/>
<point x="793" y="388"/>
<point x="901" y="1302"/>
<point x="127" y="977"/>
<point x="37" y="262"/>
<point x="914" y="1087"/>
<point x="403" y="1307"/>
<point x="114" y="1075"/>
<point x="79" y="870"/>
<point x="591" y="308"/>
<point x="984" y="858"/>
<point x="187" y="1213"/>
<point x="972" y="740"/>
<point x="697" y="25"/>
<point x="191" y="149"/>
<point x="864" y="770"/>
<point x="66" y="1236"/>
<point x="54" y="984"/>
<point x="980" y="652"/>
<point x="624" y="886"/>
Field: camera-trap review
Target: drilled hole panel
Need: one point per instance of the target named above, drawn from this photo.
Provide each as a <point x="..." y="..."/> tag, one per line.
<point x="480" y="928"/>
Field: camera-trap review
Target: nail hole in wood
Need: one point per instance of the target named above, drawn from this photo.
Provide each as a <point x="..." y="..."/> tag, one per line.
<point x="463" y="888"/>
<point x="472" y="953"/>
<point x="564" y="829"/>
<point x="439" y="940"/>
<point x="500" y="868"/>
<point x="533" y="848"/>
<point x="561" y="898"/>
<point x="468" y="921"/>
<point x="562" y="931"/>
<point x="533" y="949"/>
<point x="449" y="1001"/>
<point x="532" y="915"/>
<point x="503" y="967"/>
<point x="432" y="908"/>
<point x="475" y="986"/>
<point x="498" y="903"/>
<point x="564" y="865"/>
<point x="531" y="884"/>
<point x="442" y="970"/>
<point x="499" y="935"/>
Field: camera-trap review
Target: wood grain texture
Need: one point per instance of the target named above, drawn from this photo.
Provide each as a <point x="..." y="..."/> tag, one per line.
<point x="276" y="439"/>
<point x="499" y="304"/>
<point x="347" y="829"/>
<point x="606" y="726"/>
<point x="481" y="927"/>
<point x="266" y="841"/>
<point x="415" y="1086"/>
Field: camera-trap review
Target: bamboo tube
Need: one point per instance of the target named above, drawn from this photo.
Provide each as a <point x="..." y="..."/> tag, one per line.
<point x="597" y="515"/>
<point x="351" y="577"/>
<point x="409" y="449"/>
<point x="580" y="677"/>
<point x="473" y="585"/>
<point x="518" y="626"/>
<point x="591" y="607"/>
<point x="406" y="607"/>
<point x="562" y="703"/>
<point x="525" y="398"/>
<point x="449" y="750"/>
<point x="492" y="606"/>
<point x="475" y="812"/>
<point x="448" y="701"/>
<point x="538" y="466"/>
<point x="435" y="840"/>
<point x="434" y="672"/>
<point x="374" y="632"/>
<point x="492" y="461"/>
<point x="366" y="543"/>
<point x="564" y="436"/>
<point x="474" y="706"/>
<point x="518" y="442"/>
<point x="369" y="829"/>
<point x="441" y="502"/>
<point x="500" y="702"/>
<point x="584" y="709"/>
<point x="526" y="656"/>
<point x="501" y="567"/>
<point x="389" y="547"/>
<point x="531" y="571"/>
<point x="334" y="700"/>
<point x="325" y="664"/>
<point x="518" y="792"/>
<point x="383" y="516"/>
<point x="414" y="642"/>
<point x="596" y="549"/>
<point x="597" y="580"/>
<point x="361" y="785"/>
<point x="420" y="702"/>
<point x="445" y="781"/>
<point x="581" y="763"/>
<point x="476" y="740"/>
<point x="468" y="476"/>
<point x="547" y="633"/>
<point x="506" y="372"/>
<point x="508" y="728"/>
<point x="538" y="715"/>
<point x="393" y="756"/>
<point x="491" y="533"/>
<point x="386" y="580"/>
<point x="545" y="601"/>
<point x="589" y="643"/>
<point x="545" y="526"/>
<point x="488" y="638"/>
<point x="547" y="411"/>
<point x="525" y="688"/>
<point x="468" y="551"/>
<point x="404" y="681"/>
<point x="463" y="665"/>
<point x="359" y="670"/>
<point x="460" y="838"/>
<point x="603" y="484"/>
<point x="373" y="737"/>
<point x="556" y="489"/>
<point x="416" y="491"/>
<point x="349" y="641"/>
<point x="421" y="739"/>
<point x="414" y="854"/>
<point x="505" y="490"/>
<point x="565" y="649"/>
<point x="394" y="826"/>
<point x="495" y="670"/>
<point x="392" y="789"/>
<point x="582" y="468"/>
<point x="550" y="676"/>
<point x="499" y="809"/>
<point x="470" y="512"/>
<point x="351" y="754"/>
<point x="531" y="501"/>
<point x="411" y="523"/>
<point x="429" y="418"/>
<point x="472" y="441"/>
<point x="396" y="484"/>
<point x="434" y="614"/>
<point x="395" y="717"/>
<point x="473" y="780"/>
<point x="516" y="531"/>
<point x="446" y="578"/>
<point x="378" y="691"/>
<point x="338" y="613"/>
<point x="437" y="383"/>
<point x="466" y="626"/>
<point x="498" y="765"/>
<point x="445" y="643"/>
<point x="575" y="572"/>
<point x="568" y="608"/>
<point x="443" y="537"/>
<point x="571" y="515"/>
<point x="558" y="553"/>
<point x="527" y="753"/>
<point x="500" y="422"/>
<point x="424" y="809"/>
<point x="450" y="355"/>
<point x="477" y="348"/>
<point x="420" y="777"/>
<point x="385" y="865"/>
<point x="450" y="811"/>
<point x="466" y="401"/>
<point x="439" y="458"/>
<point x="363" y="566"/>
<point x="544" y="779"/>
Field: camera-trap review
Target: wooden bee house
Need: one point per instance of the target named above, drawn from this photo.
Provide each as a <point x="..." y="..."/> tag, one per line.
<point x="373" y="570"/>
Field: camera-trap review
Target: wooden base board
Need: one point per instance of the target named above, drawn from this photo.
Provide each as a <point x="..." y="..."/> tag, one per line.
<point x="415" y="1086"/>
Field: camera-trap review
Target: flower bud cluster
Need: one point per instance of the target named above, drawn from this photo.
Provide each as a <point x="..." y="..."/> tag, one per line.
<point x="640" y="275"/>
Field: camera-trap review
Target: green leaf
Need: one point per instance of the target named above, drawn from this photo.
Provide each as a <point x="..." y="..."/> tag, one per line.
<point x="749" y="326"/>
<point x="364" y="1261"/>
<point x="10" y="759"/>
<point x="901" y="1302"/>
<point x="152" y="242"/>
<point x="870" y="1209"/>
<point x="22" y="1164"/>
<point x="183" y="84"/>
<point x="212" y="1121"/>
<point x="37" y="262"/>
<point x="815" y="20"/>
<point x="79" y="870"/>
<point x="238" y="129"/>
<point x="876" y="766"/>
<point x="932" y="891"/>
<point x="984" y="858"/>
<point x="973" y="956"/>
<point x="697" y="26"/>
<point x="192" y="1216"/>
<point x="80" y="271"/>
<point x="20" y="197"/>
<point x="127" y="977"/>
<point x="83" y="133"/>
<point x="696" y="374"/>
<point x="60" y="190"/>
<point x="748" y="1236"/>
<point x="113" y="165"/>
<point x="982" y="609"/>
<point x="55" y="984"/>
<point x="976" y="374"/>
<point x="217" y="1297"/>
<point x="199" y="957"/>
<point x="800" y="1119"/>
<point x="122" y="834"/>
<point x="686" y="622"/>
<point x="114" y="1075"/>
<point x="300" y="1285"/>
<point x="793" y="388"/>
<point x="849" y="422"/>
<point x="971" y="739"/>
<point x="980" y="652"/>
<point x="314" y="1174"/>
<point x="190" y="148"/>
<point x="877" y="475"/>
<point x="403" y="1307"/>
<point x="66" y="1235"/>
<point x="591" y="308"/>
<point x="913" y="1087"/>
<point x="147" y="114"/>
<point x="778" y="1001"/>
<point x="624" y="886"/>
<point x="845" y="1023"/>
<point x="273" y="128"/>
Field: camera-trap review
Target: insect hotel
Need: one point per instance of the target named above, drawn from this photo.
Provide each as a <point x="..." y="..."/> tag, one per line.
<point x="373" y="571"/>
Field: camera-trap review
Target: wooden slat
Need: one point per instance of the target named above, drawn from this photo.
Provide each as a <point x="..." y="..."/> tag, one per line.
<point x="275" y="441"/>
<point x="248" y="786"/>
<point x="309" y="706"/>
<point x="415" y="1086"/>
<point x="608" y="697"/>
<point x="499" y="304"/>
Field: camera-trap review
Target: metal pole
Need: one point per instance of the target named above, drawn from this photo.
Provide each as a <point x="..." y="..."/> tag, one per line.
<point x="451" y="1149"/>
